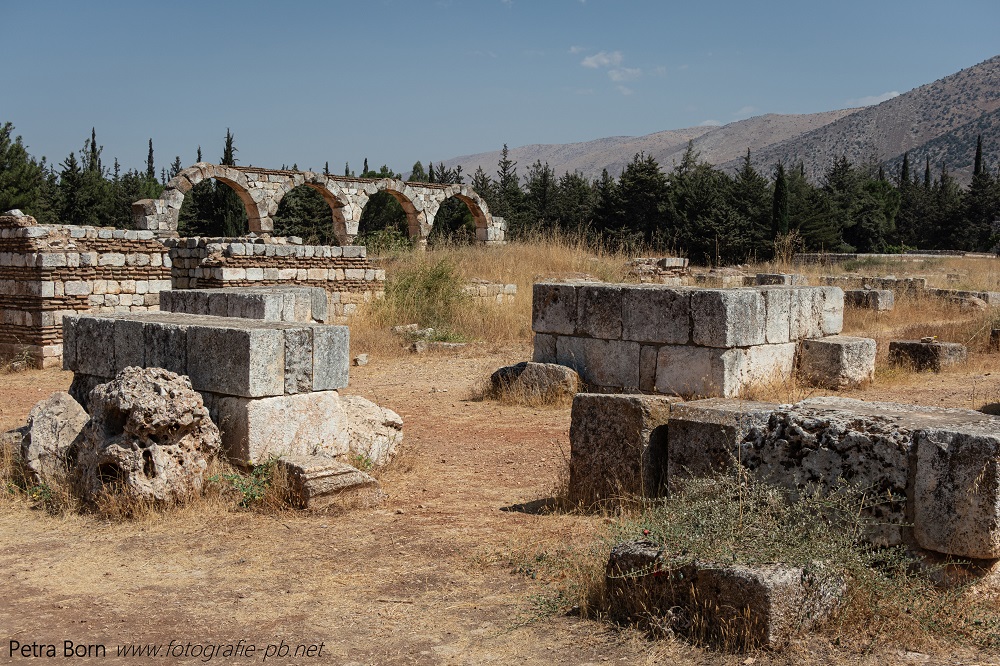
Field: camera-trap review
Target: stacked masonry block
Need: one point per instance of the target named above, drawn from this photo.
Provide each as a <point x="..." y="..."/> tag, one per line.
<point x="679" y="340"/>
<point x="271" y="386"/>
<point x="48" y="271"/>
<point x="345" y="272"/>
<point x="302" y="304"/>
<point x="490" y="292"/>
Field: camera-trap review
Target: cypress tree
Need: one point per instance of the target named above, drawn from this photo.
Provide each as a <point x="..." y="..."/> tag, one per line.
<point x="779" y="204"/>
<point x="199" y="155"/>
<point x="927" y="173"/>
<point x="150" y="169"/>
<point x="904" y="172"/>
<point x="977" y="169"/>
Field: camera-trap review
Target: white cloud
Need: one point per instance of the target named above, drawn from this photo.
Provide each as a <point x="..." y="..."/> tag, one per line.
<point x="745" y="111"/>
<point x="873" y="99"/>
<point x="709" y="123"/>
<point x="576" y="49"/>
<point x="625" y="90"/>
<point x="624" y="74"/>
<point x="603" y="59"/>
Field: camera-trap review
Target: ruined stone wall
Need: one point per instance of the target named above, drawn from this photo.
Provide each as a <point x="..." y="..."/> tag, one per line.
<point x="52" y="270"/>
<point x="346" y="273"/>
<point x="679" y="340"/>
<point x="490" y="292"/>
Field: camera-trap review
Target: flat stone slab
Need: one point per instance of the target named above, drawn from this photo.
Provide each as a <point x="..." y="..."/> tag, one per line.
<point x="223" y="355"/>
<point x="277" y="303"/>
<point x="732" y="606"/>
<point x="921" y="355"/>
<point x="317" y="481"/>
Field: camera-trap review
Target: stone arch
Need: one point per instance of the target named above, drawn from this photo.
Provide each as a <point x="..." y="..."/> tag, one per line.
<point x="408" y="199"/>
<point x="488" y="228"/>
<point x="334" y="198"/>
<point x="249" y="191"/>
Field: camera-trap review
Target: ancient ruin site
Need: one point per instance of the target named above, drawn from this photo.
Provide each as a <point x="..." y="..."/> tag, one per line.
<point x="528" y="450"/>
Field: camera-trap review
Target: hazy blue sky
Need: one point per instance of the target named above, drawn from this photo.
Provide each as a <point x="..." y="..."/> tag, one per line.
<point x="403" y="80"/>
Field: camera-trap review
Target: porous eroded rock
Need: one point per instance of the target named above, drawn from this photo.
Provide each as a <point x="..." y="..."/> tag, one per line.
<point x="149" y="437"/>
<point x="373" y="432"/>
<point x="50" y="443"/>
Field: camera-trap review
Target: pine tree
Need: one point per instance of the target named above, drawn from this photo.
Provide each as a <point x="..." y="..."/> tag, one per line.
<point x="977" y="169"/>
<point x="175" y="167"/>
<point x="21" y="178"/>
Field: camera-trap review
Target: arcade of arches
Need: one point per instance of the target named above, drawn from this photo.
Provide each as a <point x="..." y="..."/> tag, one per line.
<point x="261" y="190"/>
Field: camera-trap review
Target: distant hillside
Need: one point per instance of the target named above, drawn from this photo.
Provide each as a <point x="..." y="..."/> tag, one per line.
<point x="940" y="119"/>
<point x="901" y="124"/>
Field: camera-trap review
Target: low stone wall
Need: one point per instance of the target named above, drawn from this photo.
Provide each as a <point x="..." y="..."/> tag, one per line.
<point x="302" y="304"/>
<point x="495" y="292"/>
<point x="912" y="286"/>
<point x="49" y="271"/>
<point x="679" y="340"/>
<point x="344" y="272"/>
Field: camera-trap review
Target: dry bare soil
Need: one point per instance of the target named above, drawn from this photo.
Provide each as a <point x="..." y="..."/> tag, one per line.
<point x="448" y="571"/>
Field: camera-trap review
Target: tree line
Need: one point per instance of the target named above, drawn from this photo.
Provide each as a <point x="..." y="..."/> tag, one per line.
<point x="693" y="209"/>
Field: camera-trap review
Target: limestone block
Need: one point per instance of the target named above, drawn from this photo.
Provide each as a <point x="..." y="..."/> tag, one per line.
<point x="599" y="311"/>
<point x="777" y="307"/>
<point x="544" y="350"/>
<point x="298" y="360"/>
<point x="247" y="362"/>
<point x="732" y="606"/>
<point x="832" y="310"/>
<point x="727" y="317"/>
<point x="704" y="436"/>
<point x="881" y="300"/>
<point x="687" y="370"/>
<point x="656" y="314"/>
<point x="95" y="345"/>
<point x="303" y="424"/>
<point x="603" y="363"/>
<point x="553" y="308"/>
<point x="837" y="361"/>
<point x="617" y="446"/>
<point x="130" y="344"/>
<point x="166" y="346"/>
<point x="647" y="368"/>
<point x="805" y="313"/>
<point x="926" y="355"/>
<point x="957" y="490"/>
<point x="787" y="279"/>
<point x="331" y="357"/>
<point x="218" y="303"/>
<point x="769" y="364"/>
<point x="69" y="324"/>
<point x="317" y="481"/>
<point x="544" y="381"/>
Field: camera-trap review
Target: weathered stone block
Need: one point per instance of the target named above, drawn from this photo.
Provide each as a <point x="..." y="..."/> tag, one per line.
<point x="957" y="490"/>
<point x="604" y="363"/>
<point x="303" y="424"/>
<point x="166" y="347"/>
<point x="832" y="310"/>
<point x="617" y="446"/>
<point x="130" y="344"/>
<point x="805" y="313"/>
<point x="704" y="435"/>
<point x="921" y="355"/>
<point x="247" y="362"/>
<point x="331" y="357"/>
<point x="786" y="279"/>
<point x="544" y="381"/>
<point x="553" y="308"/>
<point x="837" y="361"/>
<point x="731" y="606"/>
<point x="95" y="344"/>
<point x="687" y="370"/>
<point x="298" y="360"/>
<point x="544" y="348"/>
<point x="881" y="300"/>
<point x="655" y="314"/>
<point x="768" y="364"/>
<point x="599" y="311"/>
<point x="727" y="317"/>
<point x="777" y="306"/>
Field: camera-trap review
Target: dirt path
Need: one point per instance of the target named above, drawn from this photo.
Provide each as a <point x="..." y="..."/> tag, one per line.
<point x="431" y="577"/>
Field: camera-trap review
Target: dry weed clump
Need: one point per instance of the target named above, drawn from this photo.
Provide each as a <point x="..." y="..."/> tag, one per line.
<point x="890" y="601"/>
<point x="425" y="288"/>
